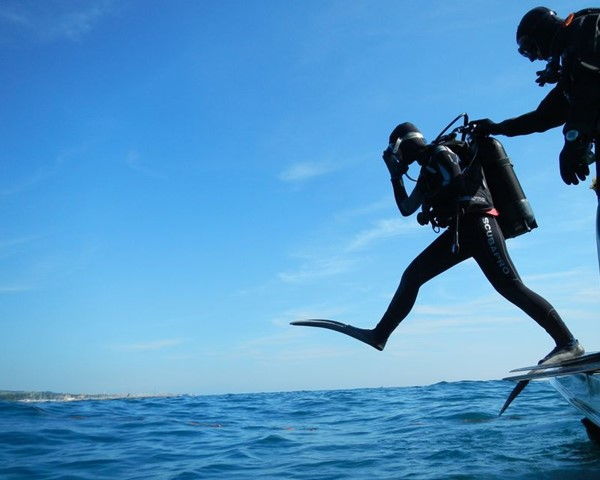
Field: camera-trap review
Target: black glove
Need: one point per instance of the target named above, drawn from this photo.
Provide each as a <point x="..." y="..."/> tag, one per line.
<point x="484" y="126"/>
<point x="551" y="74"/>
<point x="393" y="161"/>
<point x="574" y="159"/>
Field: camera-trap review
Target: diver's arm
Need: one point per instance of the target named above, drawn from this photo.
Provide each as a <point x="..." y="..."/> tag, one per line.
<point x="397" y="168"/>
<point x="551" y="112"/>
<point x="580" y="127"/>
<point x="407" y="204"/>
<point x="584" y="104"/>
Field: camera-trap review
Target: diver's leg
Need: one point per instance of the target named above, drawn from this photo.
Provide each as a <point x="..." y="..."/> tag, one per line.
<point x="432" y="261"/>
<point x="435" y="259"/>
<point x="493" y="259"/>
<point x="597" y="188"/>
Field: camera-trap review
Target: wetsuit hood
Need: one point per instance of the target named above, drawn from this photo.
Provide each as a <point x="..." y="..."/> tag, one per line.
<point x="409" y="140"/>
<point x="536" y="33"/>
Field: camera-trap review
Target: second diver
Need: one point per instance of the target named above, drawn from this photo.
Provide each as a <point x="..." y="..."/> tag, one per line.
<point x="453" y="195"/>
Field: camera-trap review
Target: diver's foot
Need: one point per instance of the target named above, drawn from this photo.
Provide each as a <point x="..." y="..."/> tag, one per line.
<point x="560" y="353"/>
<point x="367" y="336"/>
<point x="364" y="335"/>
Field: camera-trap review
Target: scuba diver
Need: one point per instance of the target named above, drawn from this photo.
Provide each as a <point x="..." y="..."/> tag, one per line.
<point x="572" y="49"/>
<point x="453" y="195"/>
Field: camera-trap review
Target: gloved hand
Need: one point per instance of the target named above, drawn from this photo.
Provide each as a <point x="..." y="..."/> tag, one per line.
<point x="393" y="161"/>
<point x="484" y="126"/>
<point x="551" y="74"/>
<point x="574" y="160"/>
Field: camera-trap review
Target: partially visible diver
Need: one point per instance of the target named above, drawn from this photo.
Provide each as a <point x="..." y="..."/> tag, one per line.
<point x="453" y="195"/>
<point x="571" y="47"/>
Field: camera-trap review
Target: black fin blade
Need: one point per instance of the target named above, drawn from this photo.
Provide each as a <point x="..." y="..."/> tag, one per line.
<point x="514" y="394"/>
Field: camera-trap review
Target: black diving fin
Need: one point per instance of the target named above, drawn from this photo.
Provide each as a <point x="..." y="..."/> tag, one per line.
<point x="514" y="394"/>
<point x="362" y="334"/>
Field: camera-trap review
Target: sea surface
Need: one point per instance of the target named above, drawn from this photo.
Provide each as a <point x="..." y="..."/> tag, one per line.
<point x="441" y="431"/>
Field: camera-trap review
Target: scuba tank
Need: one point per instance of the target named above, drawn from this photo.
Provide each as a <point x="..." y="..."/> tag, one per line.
<point x="515" y="214"/>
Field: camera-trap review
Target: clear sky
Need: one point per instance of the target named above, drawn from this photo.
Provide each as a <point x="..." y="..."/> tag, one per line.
<point x="181" y="179"/>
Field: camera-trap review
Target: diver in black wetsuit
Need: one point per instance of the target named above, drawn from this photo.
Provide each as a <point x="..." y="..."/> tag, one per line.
<point x="572" y="49"/>
<point x="453" y="194"/>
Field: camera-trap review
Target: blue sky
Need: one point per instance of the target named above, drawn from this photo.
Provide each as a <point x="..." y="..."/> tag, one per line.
<point x="180" y="180"/>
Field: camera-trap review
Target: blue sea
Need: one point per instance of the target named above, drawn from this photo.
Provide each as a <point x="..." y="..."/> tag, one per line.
<point x="441" y="431"/>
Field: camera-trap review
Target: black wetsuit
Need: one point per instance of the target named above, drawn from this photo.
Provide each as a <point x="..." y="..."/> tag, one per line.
<point x="575" y="100"/>
<point x="454" y="190"/>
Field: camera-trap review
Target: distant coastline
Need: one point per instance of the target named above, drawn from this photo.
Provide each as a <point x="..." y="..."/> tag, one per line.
<point x="41" y="396"/>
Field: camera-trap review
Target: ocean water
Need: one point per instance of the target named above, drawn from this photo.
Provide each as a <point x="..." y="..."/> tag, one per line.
<point x="441" y="431"/>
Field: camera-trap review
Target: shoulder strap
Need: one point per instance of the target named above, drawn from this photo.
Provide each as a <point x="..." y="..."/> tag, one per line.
<point x="580" y="13"/>
<point x="586" y="11"/>
<point x="458" y="147"/>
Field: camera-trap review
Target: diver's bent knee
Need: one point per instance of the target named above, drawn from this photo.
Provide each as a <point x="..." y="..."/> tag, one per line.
<point x="509" y="288"/>
<point x="411" y="277"/>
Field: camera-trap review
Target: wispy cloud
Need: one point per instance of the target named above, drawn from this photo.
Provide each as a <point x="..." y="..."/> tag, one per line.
<point x="36" y="175"/>
<point x="53" y="20"/>
<point x="133" y="161"/>
<point x="370" y="209"/>
<point x="422" y="327"/>
<point x="562" y="276"/>
<point x="27" y="183"/>
<point x="470" y="308"/>
<point x="301" y="353"/>
<point x="11" y="289"/>
<point x="568" y="290"/>
<point x="344" y="258"/>
<point x="318" y="268"/>
<point x="35" y="262"/>
<point x="9" y="243"/>
<point x="287" y="344"/>
<point x="8" y="15"/>
<point x="473" y="314"/>
<point x="384" y="228"/>
<point x="150" y="346"/>
<point x="303" y="171"/>
<point x="73" y="25"/>
<point x="283" y="319"/>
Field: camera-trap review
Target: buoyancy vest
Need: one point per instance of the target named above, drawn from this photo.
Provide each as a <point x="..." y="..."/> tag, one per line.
<point x="475" y="178"/>
<point x="450" y="187"/>
<point x="579" y="40"/>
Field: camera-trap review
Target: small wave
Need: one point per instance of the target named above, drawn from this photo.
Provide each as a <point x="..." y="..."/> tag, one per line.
<point x="22" y="396"/>
<point x="472" y="417"/>
<point x="273" y="439"/>
<point x="450" y="430"/>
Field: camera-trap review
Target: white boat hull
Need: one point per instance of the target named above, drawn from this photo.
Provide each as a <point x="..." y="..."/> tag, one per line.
<point x="581" y="390"/>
